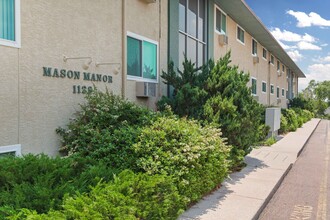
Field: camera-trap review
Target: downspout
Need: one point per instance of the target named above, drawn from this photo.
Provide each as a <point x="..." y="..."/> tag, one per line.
<point x="124" y="56"/>
<point x="268" y="84"/>
<point x="159" y="46"/>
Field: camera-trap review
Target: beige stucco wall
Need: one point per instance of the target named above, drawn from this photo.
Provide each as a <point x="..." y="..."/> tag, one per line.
<point x="33" y="105"/>
<point x="241" y="55"/>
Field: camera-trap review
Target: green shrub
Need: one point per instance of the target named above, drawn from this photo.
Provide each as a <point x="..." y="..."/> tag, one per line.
<point x="284" y="128"/>
<point x="218" y="94"/>
<point x="40" y="182"/>
<point x="291" y="118"/>
<point x="195" y="156"/>
<point x="105" y="129"/>
<point x="129" y="196"/>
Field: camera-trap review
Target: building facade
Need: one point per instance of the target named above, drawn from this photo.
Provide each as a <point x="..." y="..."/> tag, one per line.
<point x="52" y="52"/>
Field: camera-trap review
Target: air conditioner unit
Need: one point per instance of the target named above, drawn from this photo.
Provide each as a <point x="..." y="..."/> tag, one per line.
<point x="255" y="59"/>
<point x="150" y="1"/>
<point x="145" y="89"/>
<point x="256" y="98"/>
<point x="279" y="101"/>
<point x="279" y="73"/>
<point x="223" y="39"/>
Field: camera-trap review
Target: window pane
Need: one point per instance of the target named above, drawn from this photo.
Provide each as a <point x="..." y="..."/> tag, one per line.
<point x="133" y="57"/>
<point x="192" y="18"/>
<point x="264" y="87"/>
<point x="191" y="50"/>
<point x="200" y="54"/>
<point x="7" y="154"/>
<point x="149" y="60"/>
<point x="7" y="19"/>
<point x="182" y="48"/>
<point x="201" y="19"/>
<point x="218" y="20"/>
<point x="254" y="86"/>
<point x="223" y="23"/>
<point x="182" y="15"/>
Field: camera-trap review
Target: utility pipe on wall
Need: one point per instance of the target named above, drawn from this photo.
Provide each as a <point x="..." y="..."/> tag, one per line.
<point x="124" y="45"/>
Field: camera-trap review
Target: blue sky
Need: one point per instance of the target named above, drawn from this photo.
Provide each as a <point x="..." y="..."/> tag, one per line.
<point x="303" y="29"/>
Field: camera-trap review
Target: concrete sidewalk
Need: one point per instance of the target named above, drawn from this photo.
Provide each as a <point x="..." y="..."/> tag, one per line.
<point x="244" y="194"/>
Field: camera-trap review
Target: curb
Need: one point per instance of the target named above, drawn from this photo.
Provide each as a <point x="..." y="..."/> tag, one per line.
<point x="270" y="196"/>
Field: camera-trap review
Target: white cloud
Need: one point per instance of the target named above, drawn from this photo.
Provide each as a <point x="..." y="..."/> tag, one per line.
<point x="295" y="55"/>
<point x="307" y="46"/>
<point x="289" y="36"/>
<point x="325" y="59"/>
<point x="324" y="45"/>
<point x="308" y="20"/>
<point x="318" y="72"/>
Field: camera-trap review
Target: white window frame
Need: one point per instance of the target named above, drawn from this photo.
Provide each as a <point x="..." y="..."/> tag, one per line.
<point x="270" y="59"/>
<point x="254" y="54"/>
<point x="253" y="78"/>
<point x="265" y="58"/>
<point x="11" y="148"/>
<point x="17" y="42"/>
<point x="270" y="89"/>
<point x="239" y="40"/>
<point x="142" y="38"/>
<point x="215" y="22"/>
<point x="263" y="82"/>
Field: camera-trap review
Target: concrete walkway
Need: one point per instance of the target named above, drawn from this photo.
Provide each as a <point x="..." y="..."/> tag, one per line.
<point x="244" y="194"/>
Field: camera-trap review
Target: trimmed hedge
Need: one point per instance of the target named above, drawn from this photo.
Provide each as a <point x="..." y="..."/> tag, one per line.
<point x="195" y="156"/>
<point x="294" y="118"/>
<point x="39" y="182"/>
<point x="129" y="196"/>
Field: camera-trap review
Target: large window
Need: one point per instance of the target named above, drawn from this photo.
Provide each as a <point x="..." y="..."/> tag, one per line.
<point x="192" y="29"/>
<point x="240" y="34"/>
<point x="272" y="59"/>
<point x="142" y="58"/>
<point x="264" y="87"/>
<point x="221" y="21"/>
<point x="264" y="53"/>
<point x="10" y="23"/>
<point x="254" y="86"/>
<point x="254" y="47"/>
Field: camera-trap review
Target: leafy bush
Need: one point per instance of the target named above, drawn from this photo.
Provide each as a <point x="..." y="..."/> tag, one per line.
<point x="129" y="196"/>
<point x="40" y="182"/>
<point x="195" y="156"/>
<point x="218" y="94"/>
<point x="284" y="127"/>
<point x="105" y="129"/>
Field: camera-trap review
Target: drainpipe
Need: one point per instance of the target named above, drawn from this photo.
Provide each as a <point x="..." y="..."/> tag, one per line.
<point x="268" y="84"/>
<point x="124" y="45"/>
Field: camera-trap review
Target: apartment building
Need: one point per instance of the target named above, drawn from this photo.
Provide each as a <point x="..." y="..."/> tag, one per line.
<point x="221" y="26"/>
<point x="53" y="52"/>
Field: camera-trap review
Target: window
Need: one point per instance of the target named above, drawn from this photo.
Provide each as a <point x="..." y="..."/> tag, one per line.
<point x="240" y="34"/>
<point x="264" y="87"/>
<point x="10" y="23"/>
<point x="192" y="31"/>
<point x="264" y="53"/>
<point x="278" y="92"/>
<point x="254" y="86"/>
<point x="278" y="65"/>
<point x="283" y="92"/>
<point x="221" y="21"/>
<point x="287" y="94"/>
<point x="283" y="68"/>
<point x="142" y="58"/>
<point x="272" y="59"/>
<point x="12" y="150"/>
<point x="254" y="47"/>
<point x="271" y="89"/>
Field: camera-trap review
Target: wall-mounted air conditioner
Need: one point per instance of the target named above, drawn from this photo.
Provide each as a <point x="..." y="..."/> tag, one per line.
<point x="256" y="98"/>
<point x="279" y="73"/>
<point x="279" y="101"/>
<point x="149" y="1"/>
<point x="223" y="39"/>
<point x="145" y="89"/>
<point x="255" y="59"/>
